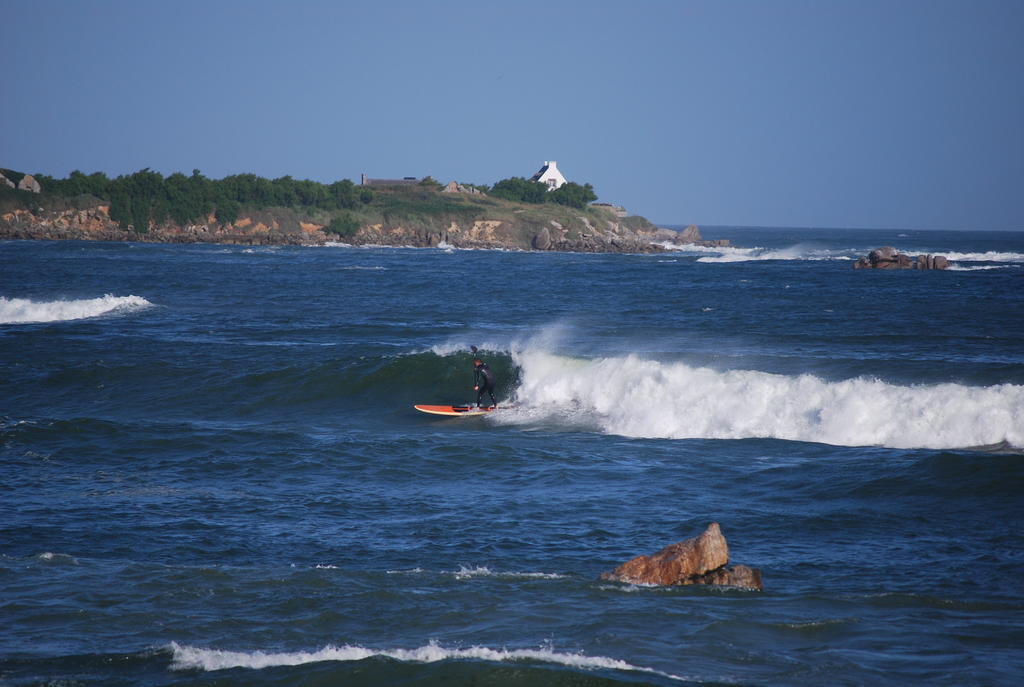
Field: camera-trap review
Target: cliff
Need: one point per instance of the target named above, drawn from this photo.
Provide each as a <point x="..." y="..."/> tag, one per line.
<point x="418" y="217"/>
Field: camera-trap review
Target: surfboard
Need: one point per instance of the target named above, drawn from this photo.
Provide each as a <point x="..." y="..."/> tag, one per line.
<point x="453" y="411"/>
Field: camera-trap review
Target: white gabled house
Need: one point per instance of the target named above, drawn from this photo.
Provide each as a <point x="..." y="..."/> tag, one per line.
<point x="549" y="175"/>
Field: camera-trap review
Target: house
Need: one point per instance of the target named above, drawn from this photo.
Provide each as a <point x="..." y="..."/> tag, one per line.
<point x="405" y="181"/>
<point x="549" y="175"/>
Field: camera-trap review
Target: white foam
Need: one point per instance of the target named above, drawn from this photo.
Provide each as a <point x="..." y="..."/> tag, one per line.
<point x="190" y="658"/>
<point x="51" y="557"/>
<point x="987" y="256"/>
<point x="979" y="268"/>
<point x="23" y="310"/>
<point x="797" y="252"/>
<point x="811" y="252"/>
<point x="725" y="254"/>
<point x="464" y="573"/>
<point x="635" y="397"/>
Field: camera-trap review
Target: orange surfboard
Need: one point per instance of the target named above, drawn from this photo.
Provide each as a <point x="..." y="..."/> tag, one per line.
<point x="453" y="411"/>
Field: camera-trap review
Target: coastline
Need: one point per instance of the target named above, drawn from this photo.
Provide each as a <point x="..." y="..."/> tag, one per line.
<point x="284" y="227"/>
<point x="493" y="225"/>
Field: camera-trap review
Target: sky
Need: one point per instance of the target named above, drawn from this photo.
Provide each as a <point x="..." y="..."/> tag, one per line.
<point x="801" y="113"/>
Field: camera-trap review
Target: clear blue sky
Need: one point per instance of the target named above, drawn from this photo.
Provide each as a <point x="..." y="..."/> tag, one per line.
<point x="821" y="113"/>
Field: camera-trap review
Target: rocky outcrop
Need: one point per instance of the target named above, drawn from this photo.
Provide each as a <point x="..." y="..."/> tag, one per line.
<point x="579" y="234"/>
<point x="886" y="258"/>
<point x="94" y="224"/>
<point x="29" y="183"/>
<point x="455" y="187"/>
<point x="699" y="560"/>
<point x="542" y="241"/>
<point x="689" y="236"/>
<point x="509" y="228"/>
<point x="4" y="181"/>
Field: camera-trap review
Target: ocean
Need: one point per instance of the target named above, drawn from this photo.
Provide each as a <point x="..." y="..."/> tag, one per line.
<point x="211" y="472"/>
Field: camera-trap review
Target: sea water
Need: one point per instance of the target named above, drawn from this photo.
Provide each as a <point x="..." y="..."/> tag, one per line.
<point x="211" y="471"/>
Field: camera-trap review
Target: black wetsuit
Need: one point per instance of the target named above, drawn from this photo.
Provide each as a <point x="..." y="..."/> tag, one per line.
<point x="483" y="380"/>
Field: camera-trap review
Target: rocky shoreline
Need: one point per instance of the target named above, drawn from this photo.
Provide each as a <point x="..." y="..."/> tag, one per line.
<point x="282" y="226"/>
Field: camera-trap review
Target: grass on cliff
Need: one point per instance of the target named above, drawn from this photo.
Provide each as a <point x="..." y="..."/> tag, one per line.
<point x="429" y="207"/>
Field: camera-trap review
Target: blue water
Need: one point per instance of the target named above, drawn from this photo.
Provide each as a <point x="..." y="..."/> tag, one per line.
<point x="211" y="472"/>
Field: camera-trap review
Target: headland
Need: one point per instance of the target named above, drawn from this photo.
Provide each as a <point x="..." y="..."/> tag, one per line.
<point x="250" y="210"/>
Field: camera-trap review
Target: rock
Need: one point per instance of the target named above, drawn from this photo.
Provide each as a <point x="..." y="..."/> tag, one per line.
<point x="880" y="254"/>
<point x="455" y="187"/>
<point x="29" y="183"/>
<point x="886" y="258"/>
<point x="690" y="235"/>
<point x="542" y="241"/>
<point x="6" y="182"/>
<point x="741" y="576"/>
<point x="680" y="563"/>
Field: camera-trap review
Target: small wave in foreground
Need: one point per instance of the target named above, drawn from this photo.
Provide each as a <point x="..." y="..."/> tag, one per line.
<point x="24" y="310"/>
<point x="190" y="658"/>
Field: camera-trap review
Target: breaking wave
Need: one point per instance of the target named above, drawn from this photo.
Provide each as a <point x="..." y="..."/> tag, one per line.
<point x="797" y="252"/>
<point x="23" y="310"/>
<point x="723" y="254"/>
<point x="988" y="256"/>
<point x="811" y="252"/>
<point x="634" y="397"/>
<point x="190" y="658"/>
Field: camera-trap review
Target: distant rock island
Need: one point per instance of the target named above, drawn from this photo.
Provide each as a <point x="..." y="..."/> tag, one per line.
<point x="514" y="214"/>
<point x="886" y="258"/>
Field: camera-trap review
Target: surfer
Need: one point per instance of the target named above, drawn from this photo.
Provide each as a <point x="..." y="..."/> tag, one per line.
<point x="483" y="380"/>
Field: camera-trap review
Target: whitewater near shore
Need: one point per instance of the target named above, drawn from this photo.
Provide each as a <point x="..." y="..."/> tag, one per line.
<point x="212" y="470"/>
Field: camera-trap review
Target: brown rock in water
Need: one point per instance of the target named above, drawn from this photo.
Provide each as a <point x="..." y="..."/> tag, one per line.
<point x="886" y="258"/>
<point x="741" y="576"/>
<point x="883" y="254"/>
<point x="677" y="563"/>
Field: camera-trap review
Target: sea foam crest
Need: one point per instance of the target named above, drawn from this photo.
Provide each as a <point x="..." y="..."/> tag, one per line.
<point x="799" y="251"/>
<point x="635" y="397"/>
<point x="23" y="310"/>
<point x="189" y="658"/>
<point x="465" y="573"/>
<point x="987" y="256"/>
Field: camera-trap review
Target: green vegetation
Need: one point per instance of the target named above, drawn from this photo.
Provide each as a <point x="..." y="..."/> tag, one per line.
<point x="520" y="190"/>
<point x="147" y="197"/>
<point x="573" y="195"/>
<point x="424" y="205"/>
<point x="343" y="225"/>
<point x="525" y="191"/>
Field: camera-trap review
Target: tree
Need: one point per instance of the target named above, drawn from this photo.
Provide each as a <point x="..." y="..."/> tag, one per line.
<point x="343" y="224"/>
<point x="520" y="190"/>
<point x="573" y="195"/>
<point x="227" y="211"/>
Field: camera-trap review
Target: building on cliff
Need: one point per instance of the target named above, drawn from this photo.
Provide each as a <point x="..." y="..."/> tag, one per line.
<point x="550" y="175"/>
<point x="404" y="181"/>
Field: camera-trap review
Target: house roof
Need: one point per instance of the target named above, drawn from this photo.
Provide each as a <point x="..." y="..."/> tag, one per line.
<point x="538" y="175"/>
